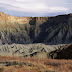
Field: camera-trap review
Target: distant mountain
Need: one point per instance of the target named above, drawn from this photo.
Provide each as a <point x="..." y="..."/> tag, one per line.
<point x="25" y="30"/>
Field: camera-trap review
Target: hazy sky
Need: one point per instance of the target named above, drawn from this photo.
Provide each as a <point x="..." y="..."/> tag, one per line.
<point x="36" y="7"/>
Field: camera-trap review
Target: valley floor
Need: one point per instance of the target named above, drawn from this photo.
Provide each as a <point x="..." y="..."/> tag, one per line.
<point x="18" y="64"/>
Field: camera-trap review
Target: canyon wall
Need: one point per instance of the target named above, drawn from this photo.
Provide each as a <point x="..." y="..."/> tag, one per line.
<point x="26" y="30"/>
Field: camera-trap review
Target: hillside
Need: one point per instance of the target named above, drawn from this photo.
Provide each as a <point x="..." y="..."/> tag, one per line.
<point x="25" y="30"/>
<point x="29" y="50"/>
<point x="40" y="51"/>
<point x="35" y="44"/>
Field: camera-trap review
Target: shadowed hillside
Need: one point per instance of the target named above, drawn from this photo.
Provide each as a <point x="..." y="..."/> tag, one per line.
<point x="25" y="30"/>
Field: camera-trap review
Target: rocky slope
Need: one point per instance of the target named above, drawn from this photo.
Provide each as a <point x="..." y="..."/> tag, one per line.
<point x="25" y="30"/>
<point x="39" y="50"/>
<point x="29" y="50"/>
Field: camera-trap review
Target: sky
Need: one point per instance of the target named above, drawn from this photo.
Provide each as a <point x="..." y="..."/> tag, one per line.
<point x="35" y="8"/>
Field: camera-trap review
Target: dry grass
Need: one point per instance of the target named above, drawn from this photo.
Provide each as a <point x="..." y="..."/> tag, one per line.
<point x="17" y="64"/>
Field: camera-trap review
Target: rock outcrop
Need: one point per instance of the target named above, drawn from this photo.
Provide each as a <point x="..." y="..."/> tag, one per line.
<point x="26" y="30"/>
<point x="29" y="50"/>
<point x="38" y="50"/>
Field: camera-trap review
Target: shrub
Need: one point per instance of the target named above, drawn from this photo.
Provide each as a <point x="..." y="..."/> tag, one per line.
<point x="52" y="63"/>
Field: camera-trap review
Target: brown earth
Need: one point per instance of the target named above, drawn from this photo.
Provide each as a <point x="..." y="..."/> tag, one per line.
<point x="17" y="64"/>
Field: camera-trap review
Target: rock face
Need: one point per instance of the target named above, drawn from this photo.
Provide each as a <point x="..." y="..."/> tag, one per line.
<point x="25" y="30"/>
<point x="29" y="50"/>
<point x="38" y="50"/>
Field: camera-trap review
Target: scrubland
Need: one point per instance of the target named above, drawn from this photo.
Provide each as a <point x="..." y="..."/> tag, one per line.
<point x="17" y="64"/>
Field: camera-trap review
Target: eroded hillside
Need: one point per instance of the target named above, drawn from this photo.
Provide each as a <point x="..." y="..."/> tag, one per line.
<point x="25" y="30"/>
<point x="29" y="50"/>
